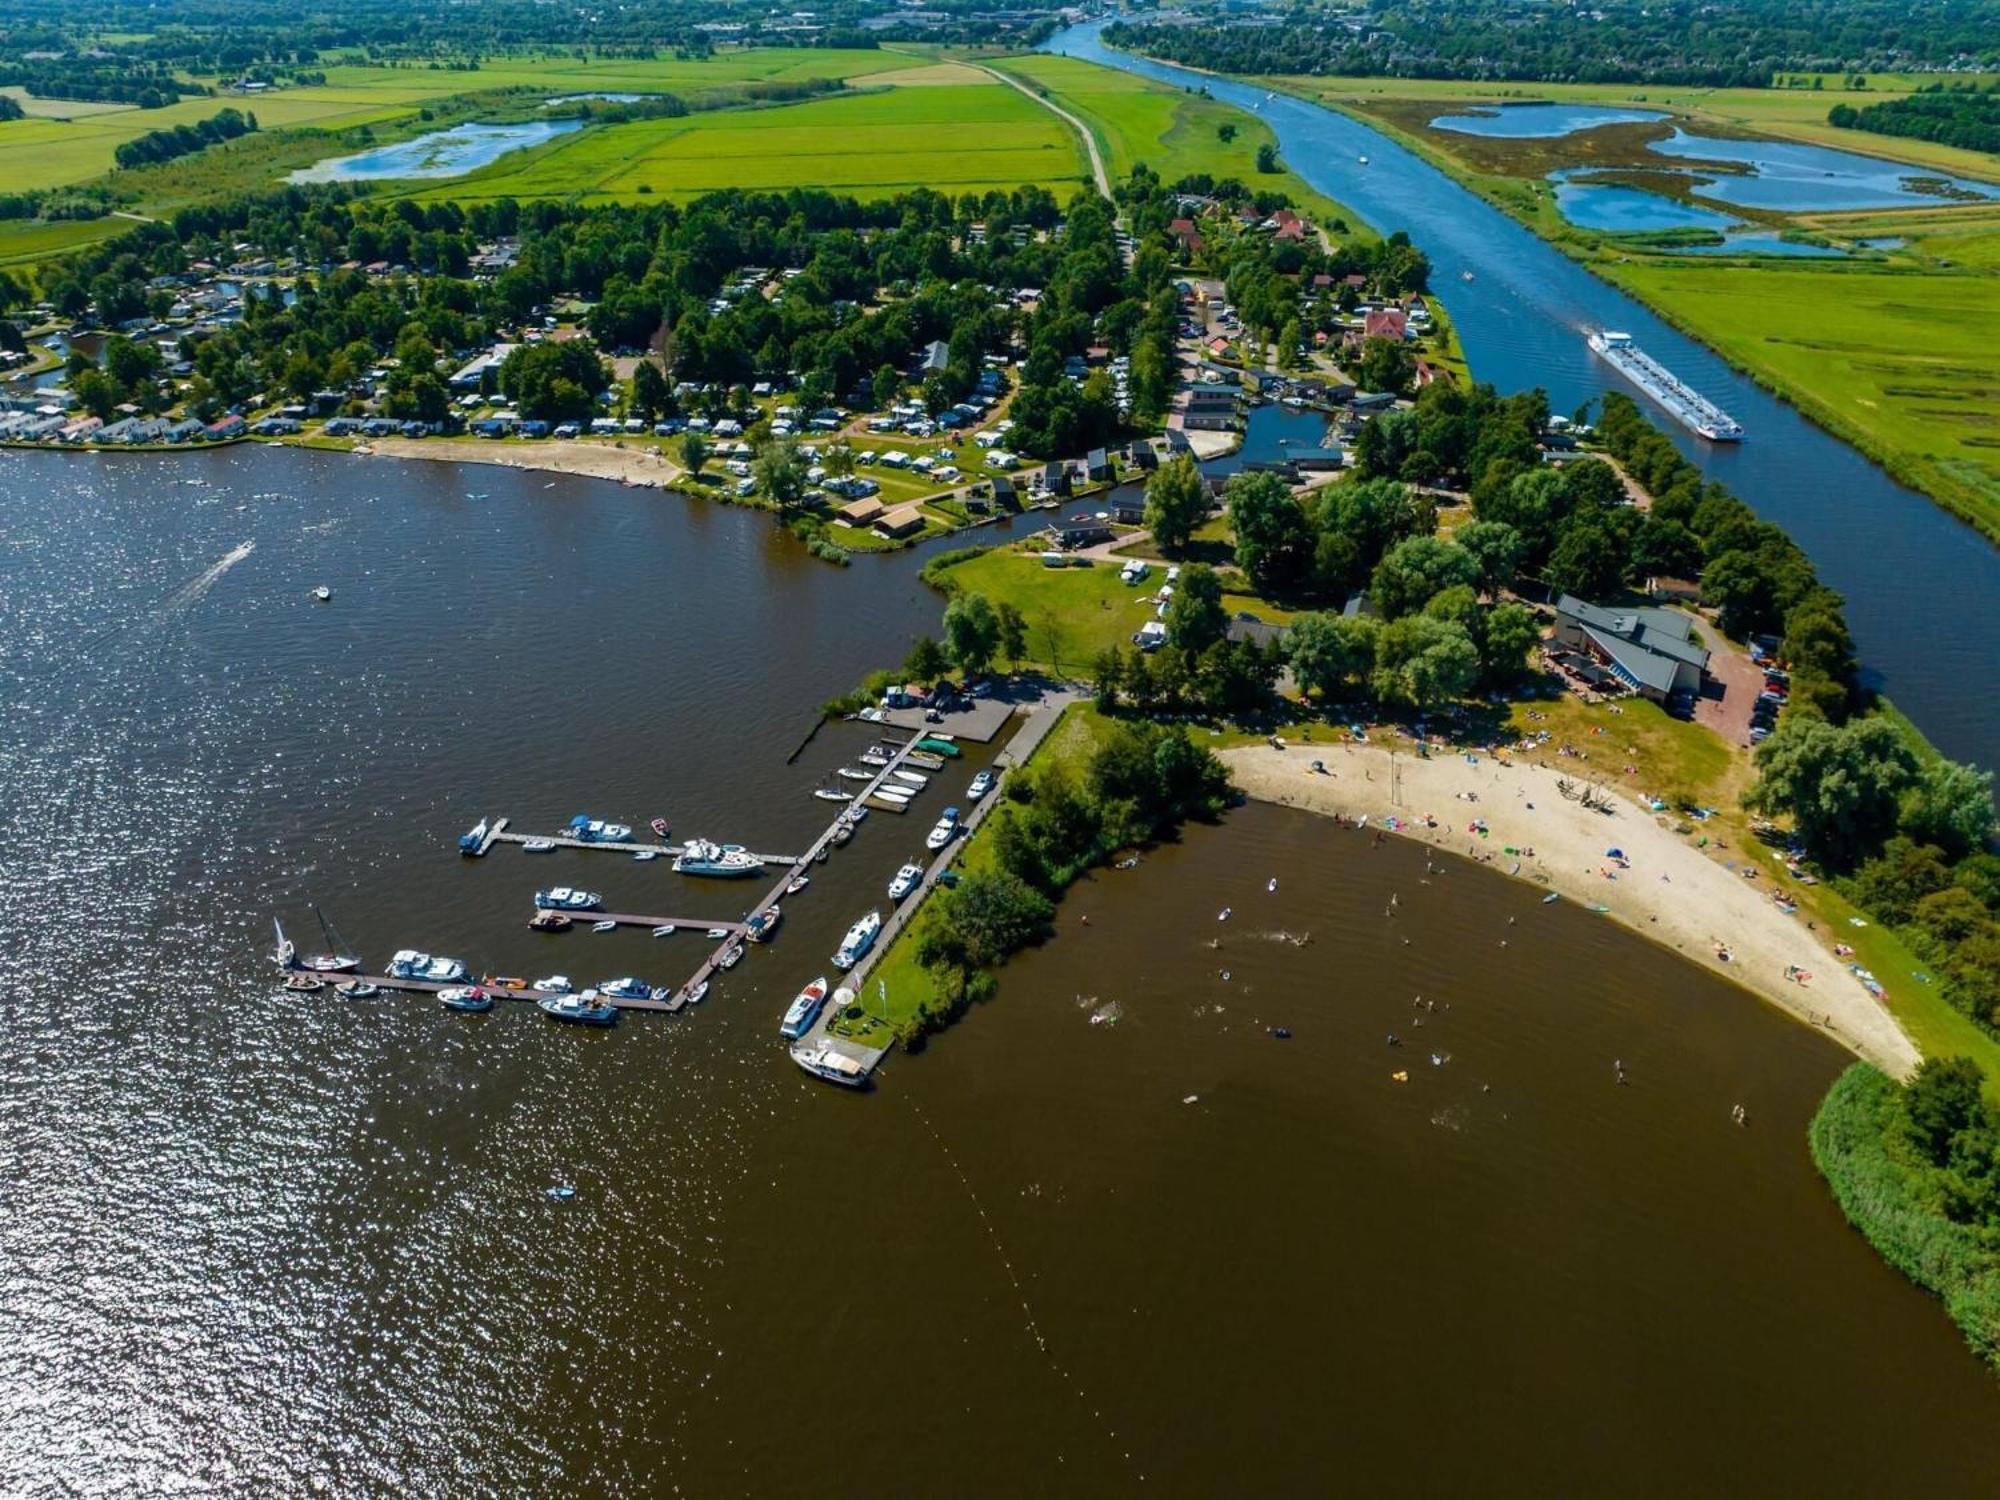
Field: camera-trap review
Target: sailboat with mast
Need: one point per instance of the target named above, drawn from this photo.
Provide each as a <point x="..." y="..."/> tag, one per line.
<point x="337" y="957"/>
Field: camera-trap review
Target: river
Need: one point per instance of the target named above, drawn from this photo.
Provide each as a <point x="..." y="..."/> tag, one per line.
<point x="264" y="1245"/>
<point x="1908" y="570"/>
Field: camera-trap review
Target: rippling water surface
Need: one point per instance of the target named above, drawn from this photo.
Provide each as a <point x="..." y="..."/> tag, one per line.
<point x="254" y="1244"/>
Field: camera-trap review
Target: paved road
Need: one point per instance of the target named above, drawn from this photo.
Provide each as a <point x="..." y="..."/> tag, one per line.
<point x="1097" y="171"/>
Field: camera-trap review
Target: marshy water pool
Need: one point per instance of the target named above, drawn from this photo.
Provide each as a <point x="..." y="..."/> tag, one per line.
<point x="438" y="153"/>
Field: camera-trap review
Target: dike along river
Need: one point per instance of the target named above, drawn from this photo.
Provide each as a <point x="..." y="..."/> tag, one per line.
<point x="1914" y="578"/>
<point x="256" y="1244"/>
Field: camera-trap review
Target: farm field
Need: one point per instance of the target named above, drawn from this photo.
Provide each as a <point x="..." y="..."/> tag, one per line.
<point x="26" y="241"/>
<point x="1136" y="120"/>
<point x="1899" y="362"/>
<point x="59" y="109"/>
<point x="50" y="152"/>
<point x="956" y="138"/>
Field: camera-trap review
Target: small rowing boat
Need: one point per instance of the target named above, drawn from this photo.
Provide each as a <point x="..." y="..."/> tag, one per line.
<point x="665" y="929"/>
<point x="730" y="957"/>
<point x="603" y="926"/>
<point x="550" y="921"/>
<point x="693" y="994"/>
<point x="471" y="1002"/>
<point x="832" y="794"/>
<point x="358" y="989"/>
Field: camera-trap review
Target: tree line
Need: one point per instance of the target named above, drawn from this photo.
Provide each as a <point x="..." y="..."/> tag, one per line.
<point x="1626" y="41"/>
<point x="184" y="140"/>
<point x="1962" y="115"/>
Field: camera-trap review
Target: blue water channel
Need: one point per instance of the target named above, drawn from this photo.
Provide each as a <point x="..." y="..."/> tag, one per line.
<point x="1919" y="584"/>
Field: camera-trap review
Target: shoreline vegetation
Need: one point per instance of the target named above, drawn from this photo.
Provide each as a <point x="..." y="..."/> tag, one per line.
<point x="1913" y="1169"/>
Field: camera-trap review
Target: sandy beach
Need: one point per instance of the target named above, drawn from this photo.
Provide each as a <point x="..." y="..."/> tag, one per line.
<point x="1670" y="891"/>
<point x="636" y="466"/>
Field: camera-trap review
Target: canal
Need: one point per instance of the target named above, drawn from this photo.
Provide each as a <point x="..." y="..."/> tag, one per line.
<point x="1908" y="570"/>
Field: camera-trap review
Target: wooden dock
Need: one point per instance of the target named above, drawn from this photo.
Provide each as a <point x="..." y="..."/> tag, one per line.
<point x="498" y="992"/>
<point x="695" y="925"/>
<point x="497" y="832"/>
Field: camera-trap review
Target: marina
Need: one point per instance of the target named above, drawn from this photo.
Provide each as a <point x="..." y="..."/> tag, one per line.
<point x="1675" y="396"/>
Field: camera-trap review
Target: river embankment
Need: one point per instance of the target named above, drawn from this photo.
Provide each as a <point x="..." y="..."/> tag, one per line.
<point x="1665" y="888"/>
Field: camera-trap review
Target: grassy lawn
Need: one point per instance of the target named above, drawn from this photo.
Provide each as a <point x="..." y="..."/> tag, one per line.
<point x="1137" y="120"/>
<point x="1899" y="362"/>
<point x="904" y="980"/>
<point x="1074" y="613"/>
<point x="956" y="138"/>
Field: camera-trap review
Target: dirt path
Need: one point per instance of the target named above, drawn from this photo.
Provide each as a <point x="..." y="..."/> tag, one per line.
<point x="1102" y="177"/>
<point x="1668" y="891"/>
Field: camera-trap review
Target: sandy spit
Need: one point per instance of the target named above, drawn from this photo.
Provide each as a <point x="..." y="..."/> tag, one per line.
<point x="637" y="466"/>
<point x="1672" y="893"/>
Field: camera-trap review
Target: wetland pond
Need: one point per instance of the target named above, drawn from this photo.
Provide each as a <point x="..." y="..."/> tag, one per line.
<point x="437" y="153"/>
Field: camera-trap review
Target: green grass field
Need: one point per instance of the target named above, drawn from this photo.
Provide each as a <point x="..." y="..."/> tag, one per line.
<point x="1902" y="363"/>
<point x="956" y="138"/>
<point x="52" y="152"/>
<point x="1137" y="120"/>
<point x="23" y="242"/>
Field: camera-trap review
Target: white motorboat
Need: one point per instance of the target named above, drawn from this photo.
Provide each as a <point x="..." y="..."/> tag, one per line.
<point x="905" y="881"/>
<point x="803" y="1010"/>
<point x="860" y="938"/>
<point x="537" y="846"/>
<point x="827" y="1062"/>
<point x="555" y="984"/>
<point x="700" y="857"/>
<point x="410" y="964"/>
<point x="911" y="778"/>
<point x="567" y="898"/>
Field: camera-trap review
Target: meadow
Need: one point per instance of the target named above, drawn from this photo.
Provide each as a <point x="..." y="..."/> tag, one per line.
<point x="954" y="137"/>
<point x="1791" y="113"/>
<point x="1136" y="120"/>
<point x="1899" y="362"/>
<point x="23" y="242"/>
<point x="51" y="151"/>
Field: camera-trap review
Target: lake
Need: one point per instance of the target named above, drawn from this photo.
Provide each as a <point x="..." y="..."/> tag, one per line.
<point x="267" y="1244"/>
<point x="1539" y="121"/>
<point x="437" y="153"/>
<point x="1900" y="562"/>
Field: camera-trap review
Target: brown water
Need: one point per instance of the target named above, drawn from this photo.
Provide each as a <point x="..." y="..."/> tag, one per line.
<point x="256" y="1245"/>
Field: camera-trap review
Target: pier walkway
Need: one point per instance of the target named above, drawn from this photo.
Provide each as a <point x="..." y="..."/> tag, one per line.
<point x="625" y="919"/>
<point x="497" y="832"/>
<point x="1027" y="739"/>
<point x="387" y="983"/>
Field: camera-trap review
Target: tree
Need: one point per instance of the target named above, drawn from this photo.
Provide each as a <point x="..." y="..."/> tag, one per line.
<point x="971" y="633"/>
<point x="1328" y="652"/>
<point x="1511" y="632"/>
<point x="1951" y="806"/>
<point x="780" y="474"/>
<point x="1176" y="502"/>
<point x="1225" y="133"/>
<point x="1196" y="619"/>
<point x="1424" y="661"/>
<point x="652" y="397"/>
<point x="1386" y="365"/>
<point x="1267" y="158"/>
<point x="1416" y="569"/>
<point x="555" y="381"/>
<point x="694" y="452"/>
<point x="1496" y="548"/>
<point x="1840" y="785"/>
<point x="1108" y="678"/>
<point x="1013" y="631"/>
<point x="1588" y="560"/>
<point x="927" y="661"/>
<point x="1273" y="537"/>
<point x="887" y="385"/>
<point x="1944" y="1099"/>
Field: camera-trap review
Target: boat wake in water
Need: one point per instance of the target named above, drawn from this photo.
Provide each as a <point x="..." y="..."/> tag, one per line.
<point x="192" y="593"/>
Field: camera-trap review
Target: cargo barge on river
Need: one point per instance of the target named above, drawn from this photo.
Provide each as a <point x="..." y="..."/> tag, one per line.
<point x="1687" y="406"/>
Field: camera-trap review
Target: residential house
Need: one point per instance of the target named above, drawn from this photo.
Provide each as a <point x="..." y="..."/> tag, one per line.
<point x="906" y="521"/>
<point x="1080" y="531"/>
<point x="1097" y="466"/>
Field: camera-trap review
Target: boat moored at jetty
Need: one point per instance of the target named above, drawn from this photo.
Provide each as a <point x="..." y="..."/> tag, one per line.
<point x="473" y="842"/>
<point x="803" y="1010"/>
<point x="586" y="1009"/>
<point x="588" y="830"/>
<point x="945" y="831"/>
<point x="700" y="857"/>
<point x="905" y="881"/>
<point x="981" y="785"/>
<point x="1682" y="401"/>
<point x="829" y="1063"/>
<point x="860" y="938"/>
<point x="567" y="898"/>
<point x="471" y="1002"/>
<point x="627" y="988"/>
<point x="410" y="964"/>
<point x="760" y="927"/>
<point x="555" y="984"/>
